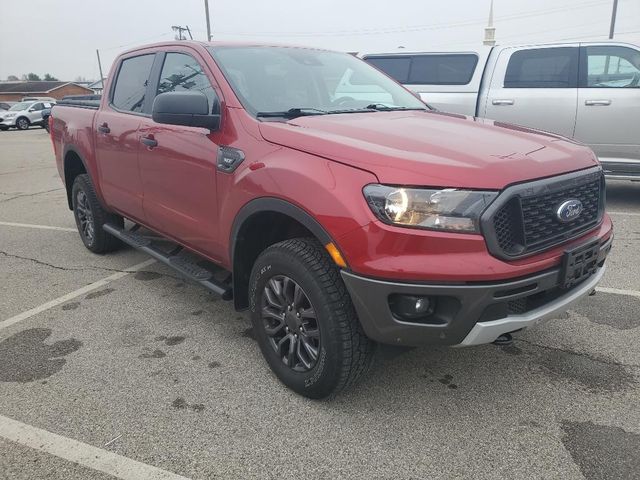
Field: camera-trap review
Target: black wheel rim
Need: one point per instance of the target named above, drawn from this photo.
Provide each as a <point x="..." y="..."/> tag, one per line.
<point x="290" y="322"/>
<point x="84" y="216"/>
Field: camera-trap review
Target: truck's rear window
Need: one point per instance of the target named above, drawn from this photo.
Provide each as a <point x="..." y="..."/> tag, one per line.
<point x="427" y="69"/>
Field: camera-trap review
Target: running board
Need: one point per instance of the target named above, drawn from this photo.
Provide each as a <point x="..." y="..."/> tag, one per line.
<point x="181" y="264"/>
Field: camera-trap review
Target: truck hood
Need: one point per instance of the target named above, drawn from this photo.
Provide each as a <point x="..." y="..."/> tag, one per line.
<point x="432" y="148"/>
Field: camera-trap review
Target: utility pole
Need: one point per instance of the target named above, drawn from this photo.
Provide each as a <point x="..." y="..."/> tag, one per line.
<point x="179" y="29"/>
<point x="99" y="66"/>
<point x="206" y="12"/>
<point x="613" y="19"/>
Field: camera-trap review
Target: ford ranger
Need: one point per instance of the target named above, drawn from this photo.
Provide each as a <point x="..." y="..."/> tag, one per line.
<point x="339" y="217"/>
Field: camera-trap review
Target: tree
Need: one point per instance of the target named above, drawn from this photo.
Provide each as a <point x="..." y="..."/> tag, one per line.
<point x="12" y="78"/>
<point x="32" y="77"/>
<point x="49" y="78"/>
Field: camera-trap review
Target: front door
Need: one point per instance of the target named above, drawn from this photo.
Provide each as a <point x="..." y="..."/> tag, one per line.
<point x="535" y="87"/>
<point x="178" y="163"/>
<point x="116" y="131"/>
<point x="609" y="106"/>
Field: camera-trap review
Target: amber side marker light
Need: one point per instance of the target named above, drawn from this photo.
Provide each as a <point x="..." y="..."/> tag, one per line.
<point x="335" y="255"/>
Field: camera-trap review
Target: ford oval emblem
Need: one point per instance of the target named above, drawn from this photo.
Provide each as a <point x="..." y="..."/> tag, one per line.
<point x="569" y="210"/>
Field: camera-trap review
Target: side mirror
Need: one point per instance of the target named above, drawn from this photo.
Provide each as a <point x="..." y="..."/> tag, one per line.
<point x="31" y="110"/>
<point x="190" y="109"/>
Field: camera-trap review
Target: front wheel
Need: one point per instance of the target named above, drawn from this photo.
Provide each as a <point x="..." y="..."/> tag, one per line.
<point x="304" y="320"/>
<point x="22" y="123"/>
<point x="90" y="217"/>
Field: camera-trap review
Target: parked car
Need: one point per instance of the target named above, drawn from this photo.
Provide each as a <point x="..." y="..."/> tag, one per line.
<point x="6" y="105"/>
<point x="46" y="113"/>
<point x="587" y="91"/>
<point x="339" y="222"/>
<point x="24" y="114"/>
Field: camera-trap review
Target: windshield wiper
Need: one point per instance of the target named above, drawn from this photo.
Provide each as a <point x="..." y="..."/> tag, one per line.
<point x="292" y="113"/>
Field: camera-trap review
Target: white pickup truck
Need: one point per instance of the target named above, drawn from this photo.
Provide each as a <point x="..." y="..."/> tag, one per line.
<point x="586" y="91"/>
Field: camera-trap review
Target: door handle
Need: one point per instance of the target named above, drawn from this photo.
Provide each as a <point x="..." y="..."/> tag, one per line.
<point x="502" y="102"/>
<point x="104" y="128"/>
<point x="149" y="141"/>
<point x="603" y="103"/>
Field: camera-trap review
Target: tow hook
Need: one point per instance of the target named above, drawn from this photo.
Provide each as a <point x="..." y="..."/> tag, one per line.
<point x="503" y="340"/>
<point x="592" y="293"/>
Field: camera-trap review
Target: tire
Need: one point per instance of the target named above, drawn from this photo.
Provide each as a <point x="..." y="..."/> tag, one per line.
<point x="22" y="123"/>
<point x="90" y="216"/>
<point x="4" y="128"/>
<point x="343" y="352"/>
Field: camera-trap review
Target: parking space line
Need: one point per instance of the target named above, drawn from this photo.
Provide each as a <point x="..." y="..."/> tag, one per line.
<point x="81" y="453"/>
<point x="69" y="296"/>
<point x="618" y="291"/>
<point x="631" y="214"/>
<point x="42" y="227"/>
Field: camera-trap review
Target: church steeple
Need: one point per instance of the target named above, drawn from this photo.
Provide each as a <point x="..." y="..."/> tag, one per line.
<point x="489" y="30"/>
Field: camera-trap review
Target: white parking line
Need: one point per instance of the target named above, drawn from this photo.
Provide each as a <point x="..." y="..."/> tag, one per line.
<point x="631" y="214"/>
<point x="618" y="291"/>
<point x="81" y="453"/>
<point x="69" y="296"/>
<point x="42" y="227"/>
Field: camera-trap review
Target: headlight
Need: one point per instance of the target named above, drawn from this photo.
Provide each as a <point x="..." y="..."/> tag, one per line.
<point x="448" y="209"/>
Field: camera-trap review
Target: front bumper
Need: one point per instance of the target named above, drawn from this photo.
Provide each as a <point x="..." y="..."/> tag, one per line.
<point x="470" y="313"/>
<point x="8" y="122"/>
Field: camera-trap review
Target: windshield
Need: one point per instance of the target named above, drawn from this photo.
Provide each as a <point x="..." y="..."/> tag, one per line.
<point x="20" y="106"/>
<point x="304" y="81"/>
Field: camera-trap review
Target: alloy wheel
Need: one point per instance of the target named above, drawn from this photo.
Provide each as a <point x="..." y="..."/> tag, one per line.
<point x="290" y="323"/>
<point x="84" y="216"/>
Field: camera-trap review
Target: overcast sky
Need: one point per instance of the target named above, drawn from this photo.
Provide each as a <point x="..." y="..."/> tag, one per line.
<point x="60" y="36"/>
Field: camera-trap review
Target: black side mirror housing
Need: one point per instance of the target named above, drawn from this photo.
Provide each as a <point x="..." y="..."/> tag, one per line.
<point x="190" y="109"/>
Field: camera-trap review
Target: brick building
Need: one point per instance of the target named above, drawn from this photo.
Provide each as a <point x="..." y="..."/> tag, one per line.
<point x="15" y="91"/>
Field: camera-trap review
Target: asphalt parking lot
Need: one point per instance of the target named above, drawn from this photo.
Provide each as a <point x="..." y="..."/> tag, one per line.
<point x="115" y="364"/>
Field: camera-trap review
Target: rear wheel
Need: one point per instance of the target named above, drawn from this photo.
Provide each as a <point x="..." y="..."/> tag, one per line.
<point x="304" y="320"/>
<point x="22" y="123"/>
<point x="90" y="216"/>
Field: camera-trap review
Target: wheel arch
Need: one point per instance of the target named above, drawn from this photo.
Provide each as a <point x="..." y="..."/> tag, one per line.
<point x="74" y="165"/>
<point x="260" y="223"/>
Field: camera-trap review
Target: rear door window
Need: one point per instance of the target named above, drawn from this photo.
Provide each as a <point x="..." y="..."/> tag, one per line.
<point x="433" y="69"/>
<point x="395" y="67"/>
<point x="543" y="68"/>
<point x="131" y="83"/>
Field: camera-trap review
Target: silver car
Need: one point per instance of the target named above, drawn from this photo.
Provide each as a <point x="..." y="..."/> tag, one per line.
<point x="586" y="91"/>
<point x="24" y="114"/>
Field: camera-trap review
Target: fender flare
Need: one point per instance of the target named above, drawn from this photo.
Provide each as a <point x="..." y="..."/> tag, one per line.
<point x="267" y="204"/>
<point x="273" y="204"/>
<point x="65" y="152"/>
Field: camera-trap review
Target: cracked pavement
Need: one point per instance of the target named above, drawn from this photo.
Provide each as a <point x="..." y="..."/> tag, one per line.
<point x="160" y="371"/>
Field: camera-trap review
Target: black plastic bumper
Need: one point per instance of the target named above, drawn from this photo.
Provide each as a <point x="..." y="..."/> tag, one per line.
<point x="494" y="307"/>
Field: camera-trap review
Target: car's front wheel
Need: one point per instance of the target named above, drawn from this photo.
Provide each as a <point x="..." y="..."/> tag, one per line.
<point x="22" y="123"/>
<point x="304" y="320"/>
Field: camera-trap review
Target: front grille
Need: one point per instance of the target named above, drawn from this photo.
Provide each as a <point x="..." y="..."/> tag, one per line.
<point x="527" y="222"/>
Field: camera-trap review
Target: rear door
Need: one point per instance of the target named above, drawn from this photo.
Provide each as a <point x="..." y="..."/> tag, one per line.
<point x="609" y="106"/>
<point x="116" y="131"/>
<point x="179" y="168"/>
<point x="535" y="87"/>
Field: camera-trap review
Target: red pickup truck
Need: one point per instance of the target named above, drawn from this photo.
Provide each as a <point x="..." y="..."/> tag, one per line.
<point x="332" y="203"/>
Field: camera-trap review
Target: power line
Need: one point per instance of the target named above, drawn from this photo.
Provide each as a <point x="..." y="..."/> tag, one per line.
<point x="415" y="28"/>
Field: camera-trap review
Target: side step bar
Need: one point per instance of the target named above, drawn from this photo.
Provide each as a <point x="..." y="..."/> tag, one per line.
<point x="181" y="264"/>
